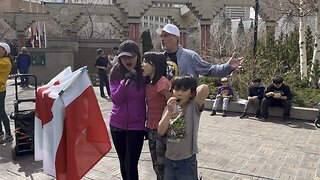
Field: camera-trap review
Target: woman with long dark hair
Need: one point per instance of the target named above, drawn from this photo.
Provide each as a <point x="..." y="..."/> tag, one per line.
<point x="154" y="68"/>
<point x="128" y="114"/>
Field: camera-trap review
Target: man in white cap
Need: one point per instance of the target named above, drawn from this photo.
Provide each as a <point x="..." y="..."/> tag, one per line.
<point x="5" y="68"/>
<point x="185" y="61"/>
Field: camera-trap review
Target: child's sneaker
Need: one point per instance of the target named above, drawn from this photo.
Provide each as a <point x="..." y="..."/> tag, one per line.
<point x="244" y="115"/>
<point x="6" y="138"/>
<point x="213" y="112"/>
<point x="224" y="113"/>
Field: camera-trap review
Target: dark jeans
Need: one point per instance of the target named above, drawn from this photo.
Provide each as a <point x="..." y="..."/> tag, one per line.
<point x="128" y="145"/>
<point x="24" y="79"/>
<point x="185" y="169"/>
<point x="285" y="104"/>
<point x="3" y="115"/>
<point x="104" y="81"/>
<point x="254" y="103"/>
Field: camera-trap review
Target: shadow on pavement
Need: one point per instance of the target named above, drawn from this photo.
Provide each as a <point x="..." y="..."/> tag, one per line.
<point x="28" y="165"/>
<point x="26" y="162"/>
<point x="238" y="173"/>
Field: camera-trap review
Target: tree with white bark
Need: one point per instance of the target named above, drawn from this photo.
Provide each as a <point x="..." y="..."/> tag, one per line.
<point x="303" y="9"/>
<point x="316" y="49"/>
<point x="302" y="40"/>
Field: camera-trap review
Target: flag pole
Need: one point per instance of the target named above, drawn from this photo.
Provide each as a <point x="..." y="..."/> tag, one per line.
<point x="31" y="28"/>
<point x="44" y="27"/>
<point x="38" y="29"/>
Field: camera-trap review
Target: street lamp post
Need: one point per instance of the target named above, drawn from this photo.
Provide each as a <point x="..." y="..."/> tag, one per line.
<point x="255" y="34"/>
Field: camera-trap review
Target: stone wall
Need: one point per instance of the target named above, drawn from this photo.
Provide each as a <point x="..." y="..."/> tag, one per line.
<point x="55" y="60"/>
<point x="308" y="114"/>
<point x="63" y="52"/>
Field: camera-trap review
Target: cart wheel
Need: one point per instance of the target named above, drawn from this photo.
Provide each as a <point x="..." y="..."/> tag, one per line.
<point x="317" y="122"/>
<point x="13" y="152"/>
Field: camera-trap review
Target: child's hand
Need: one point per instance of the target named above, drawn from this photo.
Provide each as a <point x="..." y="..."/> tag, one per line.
<point x="171" y="103"/>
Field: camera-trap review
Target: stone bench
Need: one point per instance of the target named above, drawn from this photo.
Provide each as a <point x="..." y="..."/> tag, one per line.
<point x="308" y="114"/>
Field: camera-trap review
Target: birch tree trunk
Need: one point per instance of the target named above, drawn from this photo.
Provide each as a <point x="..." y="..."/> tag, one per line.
<point x="302" y="43"/>
<point x="316" y="48"/>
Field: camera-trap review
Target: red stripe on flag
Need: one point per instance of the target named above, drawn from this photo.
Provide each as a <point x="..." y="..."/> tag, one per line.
<point x="56" y="83"/>
<point x="44" y="106"/>
<point x="85" y="139"/>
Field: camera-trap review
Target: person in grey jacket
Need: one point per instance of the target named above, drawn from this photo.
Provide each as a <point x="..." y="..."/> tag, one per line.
<point x="185" y="61"/>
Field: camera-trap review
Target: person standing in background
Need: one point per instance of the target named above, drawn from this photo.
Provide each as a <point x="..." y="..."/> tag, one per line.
<point x="23" y="64"/>
<point x="5" y="68"/>
<point x="113" y="56"/>
<point x="104" y="66"/>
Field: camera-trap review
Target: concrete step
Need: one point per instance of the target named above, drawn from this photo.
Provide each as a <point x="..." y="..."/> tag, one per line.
<point x="308" y="114"/>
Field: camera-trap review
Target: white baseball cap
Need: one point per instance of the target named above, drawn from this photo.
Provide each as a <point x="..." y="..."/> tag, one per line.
<point x="224" y="79"/>
<point x="171" y="29"/>
<point x="6" y="47"/>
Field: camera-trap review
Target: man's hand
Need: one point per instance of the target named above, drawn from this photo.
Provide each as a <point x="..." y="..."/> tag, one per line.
<point x="235" y="61"/>
<point x="278" y="97"/>
<point x="269" y="94"/>
<point x="252" y="97"/>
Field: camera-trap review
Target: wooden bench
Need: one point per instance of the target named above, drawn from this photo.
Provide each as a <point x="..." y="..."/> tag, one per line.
<point x="308" y="114"/>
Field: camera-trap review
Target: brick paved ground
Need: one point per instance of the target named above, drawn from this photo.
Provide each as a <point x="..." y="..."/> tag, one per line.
<point x="230" y="148"/>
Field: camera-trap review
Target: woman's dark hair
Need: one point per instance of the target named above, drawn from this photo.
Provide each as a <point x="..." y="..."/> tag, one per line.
<point x="159" y="61"/>
<point x="119" y="70"/>
<point x="185" y="82"/>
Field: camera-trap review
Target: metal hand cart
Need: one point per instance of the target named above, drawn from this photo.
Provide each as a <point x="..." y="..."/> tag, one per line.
<point x="23" y="121"/>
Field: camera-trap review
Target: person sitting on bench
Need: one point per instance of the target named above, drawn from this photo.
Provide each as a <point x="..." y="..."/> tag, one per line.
<point x="277" y="94"/>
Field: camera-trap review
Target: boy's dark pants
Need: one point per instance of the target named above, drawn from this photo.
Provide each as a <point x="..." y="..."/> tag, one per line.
<point x="285" y="104"/>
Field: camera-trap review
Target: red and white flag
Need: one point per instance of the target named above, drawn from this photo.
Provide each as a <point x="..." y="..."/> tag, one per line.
<point x="70" y="133"/>
<point x="31" y="35"/>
